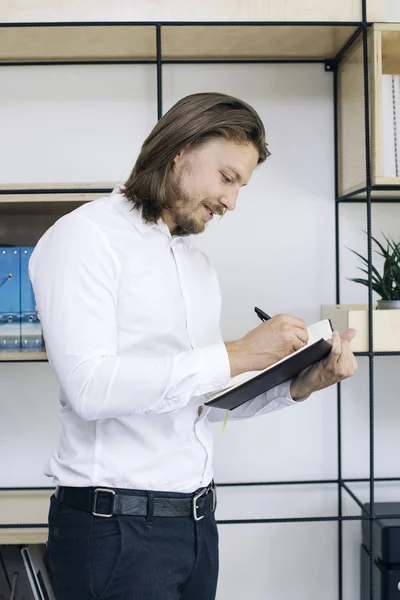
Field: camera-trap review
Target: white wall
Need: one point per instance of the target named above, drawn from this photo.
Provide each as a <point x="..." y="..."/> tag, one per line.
<point x="276" y="250"/>
<point x="392" y="10"/>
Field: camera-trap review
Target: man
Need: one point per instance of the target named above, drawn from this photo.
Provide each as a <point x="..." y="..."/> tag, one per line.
<point x="130" y="313"/>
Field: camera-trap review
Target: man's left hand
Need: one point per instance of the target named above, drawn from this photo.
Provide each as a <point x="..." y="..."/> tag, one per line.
<point x="338" y="365"/>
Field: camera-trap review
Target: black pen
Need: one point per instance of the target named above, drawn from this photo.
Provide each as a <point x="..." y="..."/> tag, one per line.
<point x="261" y="314"/>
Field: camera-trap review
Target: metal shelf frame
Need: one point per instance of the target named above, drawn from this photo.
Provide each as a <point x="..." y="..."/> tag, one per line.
<point x="331" y="65"/>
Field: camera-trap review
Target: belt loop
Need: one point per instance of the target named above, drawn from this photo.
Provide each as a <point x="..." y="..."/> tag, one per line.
<point x="150" y="508"/>
<point x="59" y="493"/>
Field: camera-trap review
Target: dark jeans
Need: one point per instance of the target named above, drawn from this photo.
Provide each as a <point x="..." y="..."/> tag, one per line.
<point x="132" y="558"/>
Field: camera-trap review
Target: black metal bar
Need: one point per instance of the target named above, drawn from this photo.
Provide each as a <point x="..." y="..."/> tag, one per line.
<point x="49" y="63"/>
<point x="167" y="61"/>
<point x="373" y="200"/>
<point x="337" y="273"/>
<point x="384" y="188"/>
<point x="370" y="299"/>
<point x="33" y="191"/>
<point x="45" y="24"/>
<point x="159" y="71"/>
<point x="28" y="360"/>
<point x="356" y="500"/>
<point x="24" y="489"/>
<point x="343" y="197"/>
<point x="271" y="483"/>
<point x="336" y="175"/>
<point x="365" y="480"/>
<point x="255" y="61"/>
<point x="377" y="354"/>
<point x="347" y="45"/>
<point x="374" y="188"/>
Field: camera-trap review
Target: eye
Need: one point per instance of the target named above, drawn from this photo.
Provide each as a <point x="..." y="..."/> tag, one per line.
<point x="226" y="179"/>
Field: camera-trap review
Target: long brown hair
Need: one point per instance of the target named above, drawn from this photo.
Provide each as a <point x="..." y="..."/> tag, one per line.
<point x="190" y="122"/>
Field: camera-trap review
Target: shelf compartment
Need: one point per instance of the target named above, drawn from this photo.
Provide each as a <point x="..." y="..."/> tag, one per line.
<point x="20" y="356"/>
<point x="49" y="198"/>
<point x="24" y="507"/>
<point x="384" y="58"/>
<point x="209" y="10"/>
<point x="76" y="43"/>
<point x="258" y="41"/>
<point x="386" y="326"/>
<point x="58" y="42"/>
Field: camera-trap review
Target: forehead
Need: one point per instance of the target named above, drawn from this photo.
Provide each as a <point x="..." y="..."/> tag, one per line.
<point x="243" y="157"/>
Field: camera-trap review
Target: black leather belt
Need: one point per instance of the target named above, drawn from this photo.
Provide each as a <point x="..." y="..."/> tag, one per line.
<point x="107" y="502"/>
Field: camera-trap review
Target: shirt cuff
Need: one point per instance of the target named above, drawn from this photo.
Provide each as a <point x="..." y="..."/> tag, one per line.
<point x="297" y="399"/>
<point x="213" y="366"/>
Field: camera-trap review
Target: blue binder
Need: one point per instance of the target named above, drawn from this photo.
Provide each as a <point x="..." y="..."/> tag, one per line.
<point x="27" y="296"/>
<point x="10" y="282"/>
<point x="10" y="298"/>
<point x="31" y="332"/>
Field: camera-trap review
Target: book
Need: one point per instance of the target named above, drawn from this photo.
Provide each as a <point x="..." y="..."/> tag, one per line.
<point x="20" y="588"/>
<point x="34" y="557"/>
<point x="246" y="386"/>
<point x="391" y="125"/>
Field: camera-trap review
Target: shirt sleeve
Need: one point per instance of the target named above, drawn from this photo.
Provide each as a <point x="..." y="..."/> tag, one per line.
<point x="75" y="274"/>
<point x="274" y="399"/>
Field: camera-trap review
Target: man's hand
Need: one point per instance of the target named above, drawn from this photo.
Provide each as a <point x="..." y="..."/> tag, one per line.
<point x="338" y="365"/>
<point x="266" y="344"/>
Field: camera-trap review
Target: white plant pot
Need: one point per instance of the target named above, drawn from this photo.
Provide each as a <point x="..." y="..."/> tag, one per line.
<point x="388" y="304"/>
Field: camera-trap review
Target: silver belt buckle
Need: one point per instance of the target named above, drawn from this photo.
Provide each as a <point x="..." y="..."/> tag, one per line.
<point x="104" y="515"/>
<point x="199" y="495"/>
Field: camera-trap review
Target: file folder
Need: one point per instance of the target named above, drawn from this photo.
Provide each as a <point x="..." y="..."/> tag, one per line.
<point x="27" y="295"/>
<point x="10" y="331"/>
<point x="10" y="280"/>
<point x="31" y="332"/>
<point x="10" y="298"/>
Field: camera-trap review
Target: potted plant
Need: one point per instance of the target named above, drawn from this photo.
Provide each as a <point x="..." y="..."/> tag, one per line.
<point x="387" y="285"/>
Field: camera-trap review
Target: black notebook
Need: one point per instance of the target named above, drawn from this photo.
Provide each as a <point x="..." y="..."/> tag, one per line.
<point x="248" y="385"/>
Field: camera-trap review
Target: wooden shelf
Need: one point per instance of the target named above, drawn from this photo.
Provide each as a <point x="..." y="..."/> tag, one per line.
<point x="207" y="10"/>
<point x="56" y="187"/>
<point x="386" y="326"/>
<point x="384" y="58"/>
<point x="317" y="42"/>
<point x="55" y="199"/>
<point x="137" y="43"/>
<point x="26" y="356"/>
<point x="24" y="507"/>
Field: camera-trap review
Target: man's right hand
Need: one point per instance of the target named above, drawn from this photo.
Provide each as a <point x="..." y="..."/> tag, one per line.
<point x="266" y="344"/>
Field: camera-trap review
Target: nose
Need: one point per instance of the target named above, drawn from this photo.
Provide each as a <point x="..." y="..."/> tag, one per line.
<point x="229" y="200"/>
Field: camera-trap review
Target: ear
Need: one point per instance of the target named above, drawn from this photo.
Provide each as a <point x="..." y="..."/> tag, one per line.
<point x="179" y="156"/>
<point x="176" y="158"/>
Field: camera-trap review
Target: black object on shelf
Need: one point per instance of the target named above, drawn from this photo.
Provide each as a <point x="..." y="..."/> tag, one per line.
<point x="386" y="553"/>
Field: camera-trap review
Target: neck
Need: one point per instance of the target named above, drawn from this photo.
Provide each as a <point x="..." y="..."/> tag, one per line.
<point x="168" y="220"/>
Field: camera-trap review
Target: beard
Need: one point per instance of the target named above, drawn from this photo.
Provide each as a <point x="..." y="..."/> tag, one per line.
<point x="185" y="209"/>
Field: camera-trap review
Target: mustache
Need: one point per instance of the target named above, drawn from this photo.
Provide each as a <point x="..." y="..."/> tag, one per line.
<point x="218" y="210"/>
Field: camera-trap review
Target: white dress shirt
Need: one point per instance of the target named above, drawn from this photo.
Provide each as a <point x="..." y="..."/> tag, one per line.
<point x="130" y="317"/>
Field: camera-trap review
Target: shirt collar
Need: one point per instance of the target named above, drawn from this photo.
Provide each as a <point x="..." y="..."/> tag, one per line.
<point x="134" y="215"/>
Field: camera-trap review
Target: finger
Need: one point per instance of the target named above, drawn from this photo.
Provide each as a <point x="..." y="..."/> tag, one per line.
<point x="301" y="334"/>
<point x="336" y="349"/>
<point x="293" y="321"/>
<point x="347" y="364"/>
<point x="348" y="335"/>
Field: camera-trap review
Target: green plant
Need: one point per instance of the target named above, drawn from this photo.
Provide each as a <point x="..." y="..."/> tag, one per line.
<point x="386" y="285"/>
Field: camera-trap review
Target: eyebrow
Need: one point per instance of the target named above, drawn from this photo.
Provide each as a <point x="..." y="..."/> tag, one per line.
<point x="237" y="176"/>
